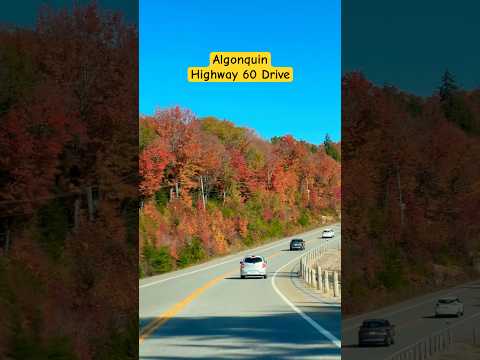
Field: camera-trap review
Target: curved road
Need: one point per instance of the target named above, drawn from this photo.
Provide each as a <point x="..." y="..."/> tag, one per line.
<point x="414" y="321"/>
<point x="208" y="312"/>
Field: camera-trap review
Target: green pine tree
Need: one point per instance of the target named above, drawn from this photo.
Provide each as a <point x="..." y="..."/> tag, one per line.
<point x="330" y="148"/>
<point x="448" y="87"/>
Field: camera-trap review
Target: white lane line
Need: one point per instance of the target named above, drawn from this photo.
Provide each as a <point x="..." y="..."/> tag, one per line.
<point x="236" y="258"/>
<point x="431" y="299"/>
<point x="307" y="318"/>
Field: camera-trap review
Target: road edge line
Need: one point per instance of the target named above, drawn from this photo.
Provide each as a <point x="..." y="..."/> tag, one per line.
<point x="236" y="257"/>
<point x="333" y="339"/>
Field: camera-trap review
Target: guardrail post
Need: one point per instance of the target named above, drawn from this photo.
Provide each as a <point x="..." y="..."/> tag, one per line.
<point x="335" y="284"/>
<point x="326" y="284"/>
<point x="319" y="278"/>
<point x="449" y="338"/>
<point x="314" y="278"/>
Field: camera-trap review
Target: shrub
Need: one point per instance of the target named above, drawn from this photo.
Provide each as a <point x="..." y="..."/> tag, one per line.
<point x="29" y="347"/>
<point x="52" y="227"/>
<point x="156" y="260"/>
<point x="304" y="220"/>
<point x="192" y="253"/>
<point x="392" y="276"/>
<point x="161" y="198"/>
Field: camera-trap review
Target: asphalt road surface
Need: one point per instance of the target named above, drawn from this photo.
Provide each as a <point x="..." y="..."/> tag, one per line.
<point x="414" y="320"/>
<point x="208" y="312"/>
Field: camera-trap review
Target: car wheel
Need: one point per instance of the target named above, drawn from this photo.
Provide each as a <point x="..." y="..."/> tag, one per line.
<point x="243" y="276"/>
<point x="265" y="276"/>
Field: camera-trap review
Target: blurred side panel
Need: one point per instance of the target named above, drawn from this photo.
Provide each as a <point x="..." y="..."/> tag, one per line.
<point x="411" y="173"/>
<point x="69" y="180"/>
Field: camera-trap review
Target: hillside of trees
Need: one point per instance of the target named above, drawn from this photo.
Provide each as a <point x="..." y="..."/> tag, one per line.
<point x="69" y="187"/>
<point x="209" y="187"/>
<point x="411" y="190"/>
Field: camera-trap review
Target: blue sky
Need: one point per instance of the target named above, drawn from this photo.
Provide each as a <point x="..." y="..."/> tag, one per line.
<point x="302" y="34"/>
<point x="410" y="43"/>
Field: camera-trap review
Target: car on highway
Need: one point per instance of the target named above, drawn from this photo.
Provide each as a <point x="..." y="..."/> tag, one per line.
<point x="449" y="306"/>
<point x="376" y="331"/>
<point x="297" y="244"/>
<point x="328" y="233"/>
<point x="253" y="265"/>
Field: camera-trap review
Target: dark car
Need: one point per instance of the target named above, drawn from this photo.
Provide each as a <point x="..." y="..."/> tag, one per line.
<point x="376" y="331"/>
<point x="297" y="244"/>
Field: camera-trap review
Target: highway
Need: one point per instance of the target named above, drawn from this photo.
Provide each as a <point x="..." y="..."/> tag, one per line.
<point x="208" y="312"/>
<point x="414" y="320"/>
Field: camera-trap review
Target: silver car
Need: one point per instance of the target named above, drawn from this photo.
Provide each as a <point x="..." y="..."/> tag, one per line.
<point x="449" y="306"/>
<point x="328" y="233"/>
<point x="253" y="265"/>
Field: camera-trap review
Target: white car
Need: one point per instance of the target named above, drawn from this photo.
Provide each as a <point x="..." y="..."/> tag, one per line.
<point x="449" y="306"/>
<point x="253" y="265"/>
<point x="328" y="233"/>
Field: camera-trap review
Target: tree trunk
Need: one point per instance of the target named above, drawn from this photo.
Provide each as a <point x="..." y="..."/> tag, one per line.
<point x="203" y="193"/>
<point x="91" y="208"/>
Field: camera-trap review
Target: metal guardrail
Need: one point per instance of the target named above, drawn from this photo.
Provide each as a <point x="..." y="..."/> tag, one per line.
<point x="436" y="343"/>
<point x="325" y="280"/>
<point x="426" y="347"/>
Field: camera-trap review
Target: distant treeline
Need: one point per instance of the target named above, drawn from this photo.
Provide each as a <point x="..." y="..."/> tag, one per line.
<point x="411" y="190"/>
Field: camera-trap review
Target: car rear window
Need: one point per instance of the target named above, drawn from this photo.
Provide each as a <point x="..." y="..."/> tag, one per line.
<point x="373" y="324"/>
<point x="446" y="301"/>
<point x="296" y="241"/>
<point x="253" y="260"/>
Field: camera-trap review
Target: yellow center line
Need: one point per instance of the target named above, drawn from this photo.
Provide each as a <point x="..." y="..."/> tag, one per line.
<point x="160" y="320"/>
<point x="175" y="309"/>
<point x="273" y="255"/>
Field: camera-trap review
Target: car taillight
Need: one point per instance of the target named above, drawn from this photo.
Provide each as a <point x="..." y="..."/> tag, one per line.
<point x="242" y="265"/>
<point x="264" y="265"/>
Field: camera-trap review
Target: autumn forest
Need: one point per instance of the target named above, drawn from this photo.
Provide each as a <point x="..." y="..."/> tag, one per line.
<point x="209" y="187"/>
<point x="411" y="191"/>
<point x="94" y="196"/>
